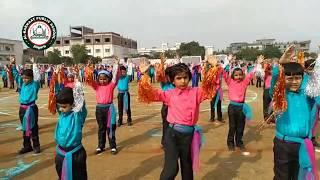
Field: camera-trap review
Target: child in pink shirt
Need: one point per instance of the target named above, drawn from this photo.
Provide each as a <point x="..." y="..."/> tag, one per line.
<point x="238" y="110"/>
<point x="105" y="109"/>
<point x="182" y="137"/>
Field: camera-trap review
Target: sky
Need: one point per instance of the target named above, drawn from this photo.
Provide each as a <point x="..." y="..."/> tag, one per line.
<point x="152" y="22"/>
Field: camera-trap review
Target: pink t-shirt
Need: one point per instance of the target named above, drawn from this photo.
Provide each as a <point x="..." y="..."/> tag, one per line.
<point x="268" y="82"/>
<point x="183" y="105"/>
<point x="69" y="84"/>
<point x="104" y="94"/>
<point x="237" y="90"/>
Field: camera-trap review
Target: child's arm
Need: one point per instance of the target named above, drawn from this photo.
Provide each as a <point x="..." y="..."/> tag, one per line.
<point x="160" y="71"/>
<point x="287" y="55"/>
<point x="147" y="93"/>
<point x="36" y="71"/>
<point x="79" y="102"/>
<point x="115" y="72"/>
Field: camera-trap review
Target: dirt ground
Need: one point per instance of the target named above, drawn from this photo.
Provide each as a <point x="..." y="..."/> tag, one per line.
<point x="140" y="155"/>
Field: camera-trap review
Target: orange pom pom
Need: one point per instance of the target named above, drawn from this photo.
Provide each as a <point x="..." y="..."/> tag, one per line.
<point x="279" y="100"/>
<point x="209" y="83"/>
<point x="146" y="93"/>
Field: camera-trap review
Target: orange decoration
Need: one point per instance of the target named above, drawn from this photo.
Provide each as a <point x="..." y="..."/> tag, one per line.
<point x="209" y="83"/>
<point x="160" y="73"/>
<point x="52" y="97"/>
<point x="279" y="100"/>
<point x="146" y="93"/>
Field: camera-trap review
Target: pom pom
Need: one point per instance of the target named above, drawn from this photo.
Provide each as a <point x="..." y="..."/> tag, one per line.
<point x="209" y="83"/>
<point x="146" y="93"/>
<point x="279" y="100"/>
<point x="313" y="86"/>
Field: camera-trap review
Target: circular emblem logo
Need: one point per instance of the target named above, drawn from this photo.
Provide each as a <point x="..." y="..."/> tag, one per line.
<point x="39" y="33"/>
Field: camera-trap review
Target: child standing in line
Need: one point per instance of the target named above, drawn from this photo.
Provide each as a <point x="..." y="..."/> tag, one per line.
<point x="182" y="136"/>
<point x="294" y="156"/>
<point x="238" y="110"/>
<point x="216" y="101"/>
<point x="124" y="96"/>
<point x="28" y="112"/>
<point x="266" y="87"/>
<point x="105" y="109"/>
<point x="71" y="156"/>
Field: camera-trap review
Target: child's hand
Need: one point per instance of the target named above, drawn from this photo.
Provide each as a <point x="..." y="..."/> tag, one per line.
<point x="144" y="66"/>
<point x="116" y="60"/>
<point x="57" y="70"/>
<point x="212" y="60"/>
<point x="288" y="54"/>
<point x="162" y="58"/>
<point x="32" y="60"/>
<point x="12" y="60"/>
<point x="260" y="59"/>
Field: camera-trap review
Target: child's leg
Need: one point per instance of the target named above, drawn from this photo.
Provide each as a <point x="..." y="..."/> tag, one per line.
<point x="101" y="116"/>
<point x="171" y="155"/>
<point x="129" y="110"/>
<point x="35" y="130"/>
<point x="26" y="139"/>
<point x="120" y="108"/>
<point x="286" y="159"/>
<point x="112" y="140"/>
<point x="165" y="124"/>
<point x="266" y="102"/>
<point x="212" y="108"/>
<point x="59" y="162"/>
<point x="232" y="113"/>
<point x="219" y="110"/>
<point x="79" y="165"/>
<point x="240" y="124"/>
<point x="184" y="146"/>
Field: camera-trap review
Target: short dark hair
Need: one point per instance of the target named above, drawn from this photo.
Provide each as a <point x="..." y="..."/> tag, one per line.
<point x="293" y="68"/>
<point x="65" y="96"/>
<point x="178" y="69"/>
<point x="236" y="69"/>
<point x="28" y="72"/>
<point x="123" y="68"/>
<point x="309" y="63"/>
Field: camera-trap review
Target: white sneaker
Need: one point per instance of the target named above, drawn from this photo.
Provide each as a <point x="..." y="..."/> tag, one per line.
<point x="114" y="151"/>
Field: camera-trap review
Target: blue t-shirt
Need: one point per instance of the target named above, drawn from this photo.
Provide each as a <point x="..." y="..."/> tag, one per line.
<point x="123" y="83"/>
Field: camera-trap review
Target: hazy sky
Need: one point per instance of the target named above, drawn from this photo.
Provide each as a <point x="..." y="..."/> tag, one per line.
<point x="151" y="22"/>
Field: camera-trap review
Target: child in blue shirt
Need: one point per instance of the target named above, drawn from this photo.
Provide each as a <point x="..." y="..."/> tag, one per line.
<point x="293" y="149"/>
<point x="71" y="156"/>
<point x="124" y="96"/>
<point x="28" y="112"/>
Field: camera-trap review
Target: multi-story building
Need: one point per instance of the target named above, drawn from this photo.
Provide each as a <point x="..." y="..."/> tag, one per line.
<point x="10" y="48"/>
<point x="164" y="47"/>
<point x="98" y="44"/>
<point x="261" y="44"/>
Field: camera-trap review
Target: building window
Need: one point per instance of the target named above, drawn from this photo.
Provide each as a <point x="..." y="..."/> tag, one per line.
<point x="66" y="41"/>
<point x="88" y="40"/>
<point x="107" y="40"/>
<point x="89" y="50"/>
<point x="67" y="52"/>
<point x="58" y="42"/>
<point x="7" y="48"/>
<point x="107" y="50"/>
<point x="125" y="43"/>
<point x="97" y="40"/>
<point x="302" y="45"/>
<point x="97" y="50"/>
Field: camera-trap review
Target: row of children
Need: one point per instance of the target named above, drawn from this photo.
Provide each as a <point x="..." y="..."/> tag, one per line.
<point x="180" y="111"/>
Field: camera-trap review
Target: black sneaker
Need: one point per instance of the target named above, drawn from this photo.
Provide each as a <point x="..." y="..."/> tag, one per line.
<point x="231" y="148"/>
<point x="242" y="148"/>
<point x="36" y="150"/>
<point x="120" y="124"/>
<point x="25" y="150"/>
<point x="129" y="123"/>
<point x="99" y="150"/>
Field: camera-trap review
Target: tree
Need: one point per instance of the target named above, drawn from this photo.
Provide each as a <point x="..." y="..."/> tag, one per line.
<point x="95" y="60"/>
<point x="79" y="53"/>
<point x="54" y="57"/>
<point x="42" y="60"/>
<point x="249" y="54"/>
<point x="67" y="60"/>
<point x="191" y="49"/>
<point x="271" y="52"/>
<point x="170" y="54"/>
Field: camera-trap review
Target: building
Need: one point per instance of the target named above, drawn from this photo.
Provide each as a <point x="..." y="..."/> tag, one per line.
<point x="10" y="48"/>
<point x="261" y="44"/>
<point x="209" y="50"/>
<point x="27" y="53"/>
<point x="98" y="44"/>
<point x="164" y="47"/>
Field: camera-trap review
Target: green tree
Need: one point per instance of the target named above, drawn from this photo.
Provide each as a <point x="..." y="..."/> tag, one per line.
<point x="170" y="54"/>
<point x="271" y="52"/>
<point x="191" y="49"/>
<point x="95" y="60"/>
<point x="42" y="60"/>
<point x="312" y="55"/>
<point x="79" y="53"/>
<point x="54" y="57"/>
<point x="249" y="54"/>
<point x="67" y="60"/>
